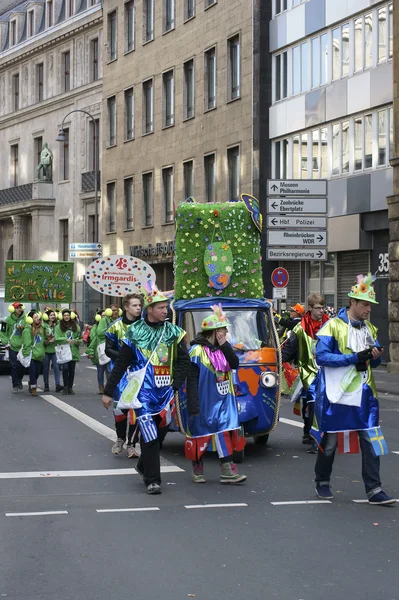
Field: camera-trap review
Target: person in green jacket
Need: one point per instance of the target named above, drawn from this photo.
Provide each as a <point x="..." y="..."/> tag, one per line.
<point x="68" y="332"/>
<point x="92" y="353"/>
<point x="12" y="340"/>
<point x="33" y="337"/>
<point x="50" y="357"/>
<point x="110" y="315"/>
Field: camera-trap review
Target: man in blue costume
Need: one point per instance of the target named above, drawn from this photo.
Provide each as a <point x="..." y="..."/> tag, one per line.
<point x="346" y="399"/>
<point x="157" y="346"/>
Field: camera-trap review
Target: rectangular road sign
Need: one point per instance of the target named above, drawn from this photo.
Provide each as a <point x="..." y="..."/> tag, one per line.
<point x="297" y="205"/>
<point x="300" y="237"/>
<point x="297" y="187"/>
<point x="296" y="254"/>
<point x="297" y="221"/>
<point x="279" y="293"/>
<point x="86" y="246"/>
<point x="85" y="254"/>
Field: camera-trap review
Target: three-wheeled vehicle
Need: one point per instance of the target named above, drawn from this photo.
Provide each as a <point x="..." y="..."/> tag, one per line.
<point x="253" y="335"/>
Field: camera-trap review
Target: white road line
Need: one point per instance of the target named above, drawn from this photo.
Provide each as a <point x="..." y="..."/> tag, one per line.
<point x="119" y="510"/>
<point x="95" y="368"/>
<point x="363" y="501"/>
<point x="301" y="502"/>
<point x="238" y="504"/>
<point x="38" y="514"/>
<point x="291" y="422"/>
<point x="81" y="473"/>
<point x="394" y="452"/>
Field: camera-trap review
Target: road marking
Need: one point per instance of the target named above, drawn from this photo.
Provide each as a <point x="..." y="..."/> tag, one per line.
<point x="82" y="473"/>
<point x="119" y="510"/>
<point x="291" y="422"/>
<point x="363" y="501"/>
<point x="95" y="368"/>
<point x="235" y="505"/>
<point x="394" y="452"/>
<point x="301" y="502"/>
<point x="38" y="514"/>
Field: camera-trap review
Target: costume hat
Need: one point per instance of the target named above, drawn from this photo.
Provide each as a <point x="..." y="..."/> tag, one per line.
<point x="152" y="294"/>
<point x="215" y="321"/>
<point x="298" y="308"/>
<point x="364" y="290"/>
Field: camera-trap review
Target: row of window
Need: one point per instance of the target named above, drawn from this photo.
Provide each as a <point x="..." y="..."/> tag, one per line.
<point x="348" y="146"/>
<point x="361" y="43"/>
<point x="168" y="94"/>
<point x="148" y="21"/>
<point x="280" y="6"/>
<point x="169" y="192"/>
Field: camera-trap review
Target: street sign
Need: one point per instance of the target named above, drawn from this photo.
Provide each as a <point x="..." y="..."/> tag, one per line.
<point x="301" y="237"/>
<point x="85" y="254"/>
<point x="280" y="277"/>
<point x="279" y="294"/>
<point x="296" y="254"/>
<point x="297" y="205"/>
<point x="278" y="221"/>
<point x="297" y="187"/>
<point x="86" y="246"/>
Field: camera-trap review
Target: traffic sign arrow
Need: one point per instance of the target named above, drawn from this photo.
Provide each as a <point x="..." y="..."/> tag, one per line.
<point x="319" y="254"/>
<point x="274" y="188"/>
<point x="320" y="238"/>
<point x="298" y="237"/>
<point x="274" y="221"/>
<point x="274" y="205"/>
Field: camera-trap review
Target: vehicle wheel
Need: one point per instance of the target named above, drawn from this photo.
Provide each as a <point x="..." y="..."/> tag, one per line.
<point x="238" y="457"/>
<point x="261" y="440"/>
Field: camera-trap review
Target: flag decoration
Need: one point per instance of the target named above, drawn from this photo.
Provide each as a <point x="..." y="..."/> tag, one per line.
<point x="378" y="441"/>
<point x="348" y="442"/>
<point x="318" y="437"/>
<point x="148" y="428"/>
<point x="297" y="407"/>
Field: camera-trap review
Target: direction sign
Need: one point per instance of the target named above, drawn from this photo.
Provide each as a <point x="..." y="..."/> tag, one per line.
<point x="86" y="246"/>
<point x="280" y="277"/>
<point x="297" y="187"/>
<point x="296" y="221"/>
<point x="301" y="237"/>
<point x="296" y="254"/>
<point x="85" y="254"/>
<point x="279" y="294"/>
<point x="297" y="205"/>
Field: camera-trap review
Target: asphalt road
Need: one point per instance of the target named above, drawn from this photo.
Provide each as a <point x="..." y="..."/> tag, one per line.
<point x="60" y="463"/>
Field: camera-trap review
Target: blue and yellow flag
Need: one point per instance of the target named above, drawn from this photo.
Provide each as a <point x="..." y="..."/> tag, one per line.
<point x="378" y="441"/>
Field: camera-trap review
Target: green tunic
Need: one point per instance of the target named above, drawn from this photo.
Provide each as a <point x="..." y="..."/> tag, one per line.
<point x="33" y="341"/>
<point x="61" y="337"/>
<point x="12" y="335"/>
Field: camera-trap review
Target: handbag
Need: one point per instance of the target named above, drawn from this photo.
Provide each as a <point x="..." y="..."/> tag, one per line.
<point x="24" y="360"/>
<point x="103" y="359"/>
<point x="63" y="354"/>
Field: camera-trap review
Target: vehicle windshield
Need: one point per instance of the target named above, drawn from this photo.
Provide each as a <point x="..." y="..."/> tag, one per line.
<point x="249" y="329"/>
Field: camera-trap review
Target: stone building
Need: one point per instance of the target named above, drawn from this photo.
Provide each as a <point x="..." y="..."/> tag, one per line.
<point x="50" y="65"/>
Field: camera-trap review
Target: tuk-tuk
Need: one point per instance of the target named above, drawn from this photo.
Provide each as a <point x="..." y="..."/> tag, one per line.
<point x="253" y="335"/>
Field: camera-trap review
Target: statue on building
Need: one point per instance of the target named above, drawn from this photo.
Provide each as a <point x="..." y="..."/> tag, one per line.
<point x="45" y="165"/>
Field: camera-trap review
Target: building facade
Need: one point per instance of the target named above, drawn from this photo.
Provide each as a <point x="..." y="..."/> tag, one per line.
<point x="50" y="66"/>
<point x="332" y="117"/>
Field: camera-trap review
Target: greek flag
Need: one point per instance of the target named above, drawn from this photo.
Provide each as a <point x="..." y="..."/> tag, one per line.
<point x="148" y="428"/>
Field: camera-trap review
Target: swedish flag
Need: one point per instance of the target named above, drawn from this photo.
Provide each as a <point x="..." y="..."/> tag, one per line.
<point x="378" y="441"/>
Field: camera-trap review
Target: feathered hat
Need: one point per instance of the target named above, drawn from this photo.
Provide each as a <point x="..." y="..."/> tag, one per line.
<point x="217" y="320"/>
<point x="364" y="290"/>
<point x="152" y="294"/>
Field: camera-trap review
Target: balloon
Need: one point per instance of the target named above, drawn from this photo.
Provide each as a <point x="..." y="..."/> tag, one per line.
<point x="29" y="320"/>
<point x="11" y="309"/>
<point x="45" y="317"/>
<point x="73" y="315"/>
<point x="97" y="318"/>
<point x="108" y="312"/>
<point x="120" y="312"/>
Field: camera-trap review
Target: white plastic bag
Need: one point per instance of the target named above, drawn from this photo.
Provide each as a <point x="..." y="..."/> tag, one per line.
<point x="129" y="397"/>
<point x="103" y="359"/>
<point x="63" y="353"/>
<point x="24" y="360"/>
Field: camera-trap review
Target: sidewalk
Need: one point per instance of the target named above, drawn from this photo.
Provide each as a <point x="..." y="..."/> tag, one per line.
<point x="386" y="383"/>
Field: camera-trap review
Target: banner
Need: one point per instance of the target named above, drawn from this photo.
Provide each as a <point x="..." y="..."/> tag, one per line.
<point x="38" y="281"/>
<point x="118" y="275"/>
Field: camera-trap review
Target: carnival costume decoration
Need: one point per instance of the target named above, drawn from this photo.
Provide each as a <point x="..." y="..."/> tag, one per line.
<point x="364" y="290"/>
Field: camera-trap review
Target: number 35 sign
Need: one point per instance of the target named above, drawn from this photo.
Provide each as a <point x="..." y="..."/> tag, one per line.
<point x="118" y="275"/>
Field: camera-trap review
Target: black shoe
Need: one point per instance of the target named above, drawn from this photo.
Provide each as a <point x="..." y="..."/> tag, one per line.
<point x="154" y="488"/>
<point x="306" y="439"/>
<point x="20" y="386"/>
<point x="312" y="448"/>
<point x="65" y="391"/>
<point x="71" y="392"/>
<point x="59" y="388"/>
<point x="46" y="388"/>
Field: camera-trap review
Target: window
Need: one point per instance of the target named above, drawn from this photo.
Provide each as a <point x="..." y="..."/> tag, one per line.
<point x="315" y="154"/>
<point x="129" y="202"/>
<point x="30" y="18"/>
<point x="167" y="186"/>
<point x="13" y="33"/>
<point x="315" y="62"/>
<point x="49" y="10"/>
<point x="209" y="3"/>
<point x="169" y="15"/>
<point x="281" y="159"/>
<point x="129" y="26"/>
<point x="358" y="144"/>
<point x="390" y="30"/>
<point x="335" y="149"/>
<point x="112" y="36"/>
<point x="189" y="9"/>
<point x="91" y="233"/>
<point x="358" y="44"/>
<point x="65" y="157"/>
<point x="14" y="165"/>
<point x="279" y="6"/>
<point x="15" y="91"/>
<point x="210" y="79"/>
<point x="129" y="114"/>
<point x="328" y="266"/>
<point x="234" y="67"/>
<point x="368" y="141"/>
<point x="94" y="144"/>
<point x="94" y="60"/>
<point x="148" y="19"/>
<point x="382" y="137"/>
<point x="304" y="67"/>
<point x="147" y="200"/>
<point x="304" y="155"/>
<point x="111" y="102"/>
<point x="111" y="206"/>
<point x="168" y="98"/>
<point x="64" y="239"/>
<point x="345" y="50"/>
<point x="368" y="41"/>
<point x="323" y="152"/>
<point x="188" y="92"/>
<point x="295" y="157"/>
<point x="188" y="178"/>
<point x="70" y="8"/>
<point x="148" y="106"/>
<point x="324" y="59"/>
<point x="66" y="71"/>
<point x="233" y="164"/>
<point x="281" y="79"/>
<point x="382" y="34"/>
<point x="296" y="71"/>
<point x="37" y="150"/>
<point x="210" y="177"/>
<point x="39" y="82"/>
<point x="336" y="41"/>
<point x="345" y="147"/>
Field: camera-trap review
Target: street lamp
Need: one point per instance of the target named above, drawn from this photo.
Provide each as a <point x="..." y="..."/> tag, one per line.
<point x="61" y="137"/>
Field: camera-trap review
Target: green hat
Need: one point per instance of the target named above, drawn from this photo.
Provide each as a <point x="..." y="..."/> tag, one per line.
<point x="364" y="290"/>
<point x="152" y="294"/>
<point x="215" y="321"/>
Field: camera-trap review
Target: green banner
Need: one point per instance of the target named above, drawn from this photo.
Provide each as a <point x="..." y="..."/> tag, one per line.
<point x="38" y="281"/>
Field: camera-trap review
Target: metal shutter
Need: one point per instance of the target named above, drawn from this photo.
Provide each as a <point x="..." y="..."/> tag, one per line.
<point x="349" y="265"/>
<point x="294" y="285"/>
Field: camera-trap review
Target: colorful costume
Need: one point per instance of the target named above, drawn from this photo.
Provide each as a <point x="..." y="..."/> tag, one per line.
<point x="50" y="356"/>
<point x="12" y="338"/>
<point x="69" y="331"/>
<point x="92" y="350"/>
<point x="33" y="337"/>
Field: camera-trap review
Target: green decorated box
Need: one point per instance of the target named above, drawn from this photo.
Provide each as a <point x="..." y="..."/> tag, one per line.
<point x="218" y="250"/>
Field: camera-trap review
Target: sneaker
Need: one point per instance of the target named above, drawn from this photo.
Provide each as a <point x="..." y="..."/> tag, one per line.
<point x="118" y="446"/>
<point x="71" y="392"/>
<point x="306" y="438"/>
<point x="59" y="388"/>
<point x="324" y="492"/>
<point x="312" y="448"/>
<point x="131" y="452"/>
<point x="20" y="386"/>
<point x="229" y="474"/>
<point x="33" y="391"/>
<point x="197" y="475"/>
<point x="381" y="498"/>
<point x="15" y="390"/>
<point x="46" y="388"/>
<point x="154" y="488"/>
<point x="100" y="390"/>
<point x="65" y="391"/>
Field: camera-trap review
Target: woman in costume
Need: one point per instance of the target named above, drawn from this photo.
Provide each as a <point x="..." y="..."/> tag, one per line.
<point x="211" y="402"/>
<point x="68" y="332"/>
<point x="33" y="337"/>
<point x="50" y="319"/>
<point x="92" y="353"/>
